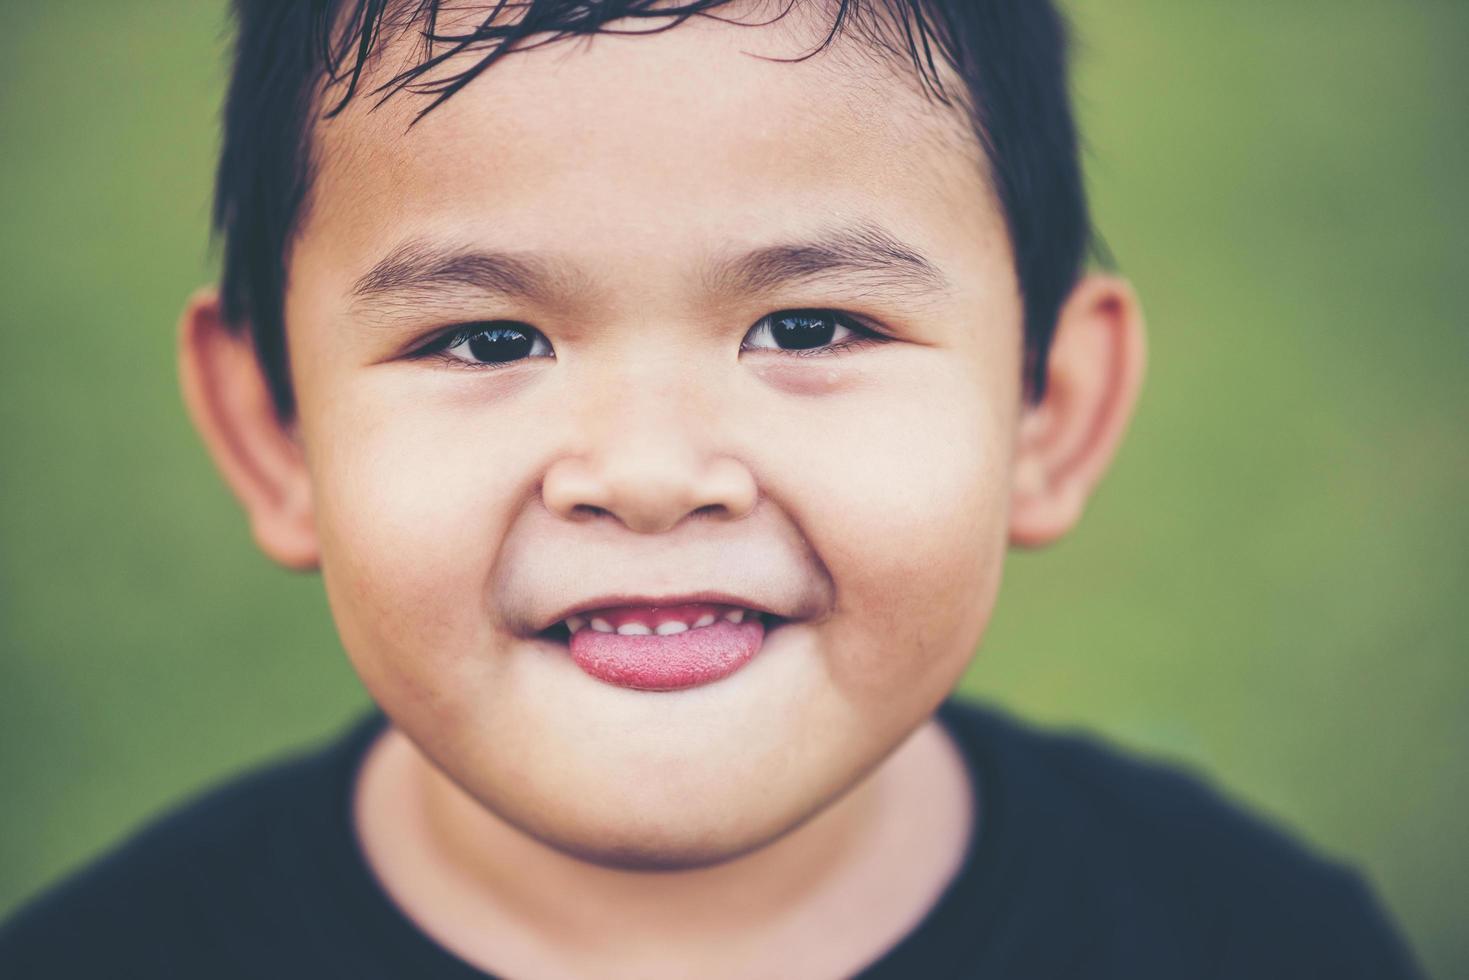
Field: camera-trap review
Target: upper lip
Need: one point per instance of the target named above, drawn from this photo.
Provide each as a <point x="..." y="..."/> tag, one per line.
<point x="627" y="599"/>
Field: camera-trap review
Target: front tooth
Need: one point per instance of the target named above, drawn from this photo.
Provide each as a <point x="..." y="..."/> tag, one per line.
<point x="735" y="615"/>
<point x="633" y="629"/>
<point x="704" y="620"/>
<point x="574" y="623"/>
<point x="670" y="627"/>
<point x="601" y="625"/>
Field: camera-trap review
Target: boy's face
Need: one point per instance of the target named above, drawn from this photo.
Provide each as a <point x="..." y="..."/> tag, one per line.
<point x="664" y="449"/>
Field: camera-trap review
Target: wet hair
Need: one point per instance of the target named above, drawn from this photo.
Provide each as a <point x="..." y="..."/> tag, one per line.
<point x="294" y="61"/>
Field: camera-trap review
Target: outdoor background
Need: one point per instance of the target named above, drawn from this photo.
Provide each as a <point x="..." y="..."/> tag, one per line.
<point x="1269" y="584"/>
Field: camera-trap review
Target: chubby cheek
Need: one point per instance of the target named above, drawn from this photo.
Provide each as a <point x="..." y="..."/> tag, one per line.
<point x="409" y="509"/>
<point x="907" y="501"/>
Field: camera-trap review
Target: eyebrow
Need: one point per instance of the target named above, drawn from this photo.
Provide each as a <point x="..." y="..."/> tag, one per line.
<point x="865" y="251"/>
<point x="422" y="266"/>
<point x="865" y="257"/>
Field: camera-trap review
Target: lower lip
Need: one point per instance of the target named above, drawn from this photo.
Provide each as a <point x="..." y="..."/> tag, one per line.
<point x="668" y="663"/>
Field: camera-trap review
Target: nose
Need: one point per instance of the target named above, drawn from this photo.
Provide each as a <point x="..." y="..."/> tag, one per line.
<point x="651" y="458"/>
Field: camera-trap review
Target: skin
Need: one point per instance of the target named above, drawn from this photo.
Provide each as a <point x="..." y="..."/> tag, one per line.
<point x="806" y="810"/>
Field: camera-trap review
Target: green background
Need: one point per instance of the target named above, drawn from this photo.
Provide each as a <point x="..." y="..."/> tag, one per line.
<point x="1268" y="585"/>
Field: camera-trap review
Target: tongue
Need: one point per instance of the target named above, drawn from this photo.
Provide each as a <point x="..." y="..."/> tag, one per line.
<point x="662" y="663"/>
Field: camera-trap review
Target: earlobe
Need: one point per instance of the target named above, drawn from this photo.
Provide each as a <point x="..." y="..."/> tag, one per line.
<point x="1065" y="443"/>
<point x="259" y="457"/>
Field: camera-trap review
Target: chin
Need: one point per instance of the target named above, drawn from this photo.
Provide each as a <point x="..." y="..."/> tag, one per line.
<point x="652" y="831"/>
<point x="623" y="849"/>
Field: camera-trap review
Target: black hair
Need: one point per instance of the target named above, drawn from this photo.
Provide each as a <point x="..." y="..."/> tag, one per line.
<point x="1011" y="55"/>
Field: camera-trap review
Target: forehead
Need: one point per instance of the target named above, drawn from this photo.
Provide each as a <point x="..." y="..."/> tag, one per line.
<point x="657" y="143"/>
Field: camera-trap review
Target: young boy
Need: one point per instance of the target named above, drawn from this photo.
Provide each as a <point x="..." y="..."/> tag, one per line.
<point x="658" y="388"/>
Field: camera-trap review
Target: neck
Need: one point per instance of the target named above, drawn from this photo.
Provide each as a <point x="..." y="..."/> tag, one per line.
<point x="497" y="897"/>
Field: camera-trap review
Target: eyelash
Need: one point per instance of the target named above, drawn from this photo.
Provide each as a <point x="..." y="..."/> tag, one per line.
<point x="439" y="347"/>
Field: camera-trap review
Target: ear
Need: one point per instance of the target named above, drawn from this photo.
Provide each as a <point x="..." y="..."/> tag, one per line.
<point x="259" y="456"/>
<point x="1065" y="443"/>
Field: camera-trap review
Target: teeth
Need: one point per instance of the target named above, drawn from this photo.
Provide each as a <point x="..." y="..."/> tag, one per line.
<point x="575" y="624"/>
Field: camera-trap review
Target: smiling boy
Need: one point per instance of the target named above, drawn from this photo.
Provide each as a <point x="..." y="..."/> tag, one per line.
<point x="658" y="408"/>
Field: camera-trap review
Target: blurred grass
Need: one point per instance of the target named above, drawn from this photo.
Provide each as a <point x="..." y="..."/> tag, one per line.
<point x="1268" y="585"/>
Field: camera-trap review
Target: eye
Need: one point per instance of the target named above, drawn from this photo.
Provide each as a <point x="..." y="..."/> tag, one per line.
<point x="488" y="344"/>
<point x="808" y="332"/>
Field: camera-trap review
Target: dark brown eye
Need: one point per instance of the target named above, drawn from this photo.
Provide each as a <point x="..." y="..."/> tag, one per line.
<point x="498" y="344"/>
<point x="494" y="343"/>
<point x="802" y="330"/>
<point x="805" y="330"/>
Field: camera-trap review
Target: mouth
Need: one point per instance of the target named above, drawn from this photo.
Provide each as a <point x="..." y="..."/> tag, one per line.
<point x="663" y="648"/>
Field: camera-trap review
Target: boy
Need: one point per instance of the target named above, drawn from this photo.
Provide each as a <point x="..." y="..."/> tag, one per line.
<point x="658" y="404"/>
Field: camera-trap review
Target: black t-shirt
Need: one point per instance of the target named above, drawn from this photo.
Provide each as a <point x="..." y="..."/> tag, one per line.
<point x="1085" y="864"/>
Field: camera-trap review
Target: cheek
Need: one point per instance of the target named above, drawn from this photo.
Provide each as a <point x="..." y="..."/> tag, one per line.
<point x="906" y="501"/>
<point x="410" y="507"/>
